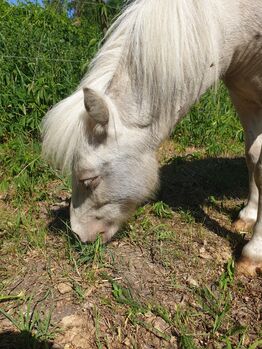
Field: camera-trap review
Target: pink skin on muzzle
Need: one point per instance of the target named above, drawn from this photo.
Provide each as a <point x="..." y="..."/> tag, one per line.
<point x="87" y="230"/>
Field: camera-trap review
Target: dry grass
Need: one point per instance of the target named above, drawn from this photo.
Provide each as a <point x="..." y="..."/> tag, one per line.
<point x="166" y="281"/>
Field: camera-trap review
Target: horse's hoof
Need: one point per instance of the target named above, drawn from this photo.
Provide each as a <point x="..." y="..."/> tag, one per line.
<point x="248" y="267"/>
<point x="242" y="226"/>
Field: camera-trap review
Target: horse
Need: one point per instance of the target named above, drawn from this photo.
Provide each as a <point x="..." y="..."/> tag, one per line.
<point x="157" y="59"/>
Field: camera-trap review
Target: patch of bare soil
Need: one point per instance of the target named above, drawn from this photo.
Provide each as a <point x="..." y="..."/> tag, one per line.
<point x="149" y="290"/>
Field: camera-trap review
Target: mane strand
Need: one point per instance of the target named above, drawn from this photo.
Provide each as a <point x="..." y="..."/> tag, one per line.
<point x="166" y="46"/>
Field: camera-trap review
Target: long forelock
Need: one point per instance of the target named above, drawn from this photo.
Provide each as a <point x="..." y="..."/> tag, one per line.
<point x="63" y="129"/>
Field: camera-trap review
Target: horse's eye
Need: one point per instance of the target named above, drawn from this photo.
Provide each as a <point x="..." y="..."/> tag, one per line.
<point x="91" y="182"/>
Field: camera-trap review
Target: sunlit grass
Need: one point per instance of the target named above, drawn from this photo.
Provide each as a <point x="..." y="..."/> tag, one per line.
<point x="27" y="184"/>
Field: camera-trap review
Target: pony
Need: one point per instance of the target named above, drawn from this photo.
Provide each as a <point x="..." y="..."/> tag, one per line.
<point x="158" y="58"/>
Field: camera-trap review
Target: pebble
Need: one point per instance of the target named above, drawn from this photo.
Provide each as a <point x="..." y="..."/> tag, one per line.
<point x="71" y="321"/>
<point x="64" y="288"/>
<point x="192" y="282"/>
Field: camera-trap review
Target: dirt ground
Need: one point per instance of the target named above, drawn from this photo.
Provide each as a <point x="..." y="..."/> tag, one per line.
<point x="163" y="282"/>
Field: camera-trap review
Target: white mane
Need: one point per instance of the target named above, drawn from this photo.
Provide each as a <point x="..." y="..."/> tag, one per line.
<point x="166" y="46"/>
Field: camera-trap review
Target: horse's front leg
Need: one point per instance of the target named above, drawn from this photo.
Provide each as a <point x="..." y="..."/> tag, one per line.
<point x="250" y="262"/>
<point x="251" y="119"/>
<point x="253" y="141"/>
<point x="248" y="215"/>
<point x="251" y="215"/>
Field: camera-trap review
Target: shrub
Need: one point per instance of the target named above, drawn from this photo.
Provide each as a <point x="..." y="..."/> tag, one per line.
<point x="43" y="56"/>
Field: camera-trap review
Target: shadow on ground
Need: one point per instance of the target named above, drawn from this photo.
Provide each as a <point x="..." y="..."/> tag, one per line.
<point x="187" y="184"/>
<point x="22" y="340"/>
<point x="60" y="219"/>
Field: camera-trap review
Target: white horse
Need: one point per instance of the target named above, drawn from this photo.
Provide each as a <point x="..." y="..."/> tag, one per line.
<point x="159" y="57"/>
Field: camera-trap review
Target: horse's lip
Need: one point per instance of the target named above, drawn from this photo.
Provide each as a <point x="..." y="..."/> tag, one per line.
<point x="76" y="236"/>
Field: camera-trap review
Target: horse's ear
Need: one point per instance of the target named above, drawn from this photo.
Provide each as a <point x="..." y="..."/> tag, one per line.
<point x="96" y="106"/>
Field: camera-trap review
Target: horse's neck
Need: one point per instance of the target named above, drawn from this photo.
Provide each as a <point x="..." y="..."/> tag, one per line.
<point x="137" y="109"/>
<point x="131" y="113"/>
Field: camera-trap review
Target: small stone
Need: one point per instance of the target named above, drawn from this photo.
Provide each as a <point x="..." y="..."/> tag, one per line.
<point x="71" y="321"/>
<point x="57" y="346"/>
<point x="79" y="342"/>
<point x="192" y="282"/>
<point x="160" y="324"/>
<point x="88" y="306"/>
<point x="64" y="288"/>
<point x="127" y="342"/>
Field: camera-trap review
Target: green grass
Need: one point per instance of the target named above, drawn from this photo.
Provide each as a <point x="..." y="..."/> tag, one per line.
<point x="5" y="298"/>
<point x="33" y="323"/>
<point x="25" y="184"/>
<point x="161" y="210"/>
<point x="215" y="304"/>
<point x="87" y="254"/>
<point x="166" y="237"/>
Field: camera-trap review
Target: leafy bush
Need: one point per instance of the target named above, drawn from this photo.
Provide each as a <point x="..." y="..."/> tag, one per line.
<point x="43" y="56"/>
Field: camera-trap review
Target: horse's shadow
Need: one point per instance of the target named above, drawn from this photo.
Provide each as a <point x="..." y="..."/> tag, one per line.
<point x="22" y="340"/>
<point x="187" y="184"/>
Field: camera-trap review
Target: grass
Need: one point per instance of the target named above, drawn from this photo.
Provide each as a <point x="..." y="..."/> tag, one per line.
<point x="208" y="321"/>
<point x="167" y="280"/>
<point x="215" y="304"/>
<point x="5" y="298"/>
<point x="34" y="324"/>
<point x="161" y="210"/>
<point x="90" y="254"/>
<point x="31" y="189"/>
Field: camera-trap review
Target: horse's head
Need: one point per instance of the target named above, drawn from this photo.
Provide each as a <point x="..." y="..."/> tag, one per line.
<point x="111" y="174"/>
